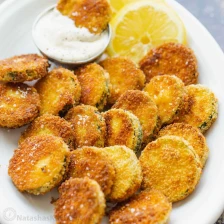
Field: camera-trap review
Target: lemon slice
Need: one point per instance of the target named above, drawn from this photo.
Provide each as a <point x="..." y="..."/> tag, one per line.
<point x="116" y="5"/>
<point x="142" y="25"/>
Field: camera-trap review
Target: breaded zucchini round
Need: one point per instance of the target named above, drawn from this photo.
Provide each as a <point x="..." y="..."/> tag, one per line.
<point x="124" y="75"/>
<point x="145" y="109"/>
<point x="171" y="166"/>
<point x="128" y="172"/>
<point x="171" y="59"/>
<point x="123" y="128"/>
<point x="94" y="81"/>
<point x="168" y="92"/>
<point x="19" y="104"/>
<point x="39" y="164"/>
<point x="192" y="135"/>
<point x="59" y="91"/>
<point x="91" y="14"/>
<point x="90" y="162"/>
<point x="201" y="107"/>
<point x="81" y="201"/>
<point x="48" y="124"/>
<point x="23" y="68"/>
<point x="147" y="207"/>
<point x="88" y="125"/>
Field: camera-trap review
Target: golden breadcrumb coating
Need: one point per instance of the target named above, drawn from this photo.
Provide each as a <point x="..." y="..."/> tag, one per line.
<point x="19" y="104"/>
<point x="128" y="172"/>
<point x="200" y="107"/>
<point x="81" y="201"/>
<point x="48" y="124"/>
<point x="168" y="92"/>
<point x="124" y="75"/>
<point x="88" y="125"/>
<point x="23" y="68"/>
<point x="59" y="91"/>
<point x="94" y="81"/>
<point x="171" y="59"/>
<point x="91" y="14"/>
<point x="147" y="207"/>
<point x="144" y="108"/>
<point x="90" y="162"/>
<point x="171" y="166"/>
<point x="192" y="135"/>
<point x="39" y="164"/>
<point x="123" y="128"/>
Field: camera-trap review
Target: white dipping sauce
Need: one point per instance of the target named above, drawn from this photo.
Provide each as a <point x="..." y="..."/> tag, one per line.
<point x="58" y="37"/>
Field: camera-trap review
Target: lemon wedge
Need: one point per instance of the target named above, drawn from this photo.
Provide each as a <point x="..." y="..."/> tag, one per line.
<point x="116" y="5"/>
<point x="142" y="25"/>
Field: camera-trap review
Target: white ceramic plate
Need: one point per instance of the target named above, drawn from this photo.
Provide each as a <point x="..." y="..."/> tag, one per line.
<point x="203" y="207"/>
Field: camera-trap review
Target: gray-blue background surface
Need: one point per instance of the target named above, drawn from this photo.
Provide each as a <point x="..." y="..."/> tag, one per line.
<point x="211" y="15"/>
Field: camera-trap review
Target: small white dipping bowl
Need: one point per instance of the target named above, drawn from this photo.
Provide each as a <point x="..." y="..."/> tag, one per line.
<point x="66" y="62"/>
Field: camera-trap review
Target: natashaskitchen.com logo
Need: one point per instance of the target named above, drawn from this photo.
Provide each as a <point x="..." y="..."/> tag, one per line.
<point x="10" y="215"/>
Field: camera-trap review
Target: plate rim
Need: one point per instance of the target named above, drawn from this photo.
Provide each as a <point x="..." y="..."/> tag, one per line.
<point x="215" y="214"/>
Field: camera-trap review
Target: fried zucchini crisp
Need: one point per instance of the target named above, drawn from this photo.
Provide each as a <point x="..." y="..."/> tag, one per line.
<point x="192" y="135"/>
<point x="81" y="201"/>
<point x="90" y="162"/>
<point x="88" y="125"/>
<point x="19" y="104"/>
<point x="59" y="91"/>
<point x="124" y="75"/>
<point x="171" y="166"/>
<point x="39" y="164"/>
<point x="23" y="68"/>
<point x="128" y="174"/>
<point x="91" y="14"/>
<point x="168" y="93"/>
<point x="200" y="109"/>
<point x="147" y="207"/>
<point x="123" y="128"/>
<point x="144" y="108"/>
<point x="171" y="59"/>
<point x="48" y="124"/>
<point x="94" y="81"/>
